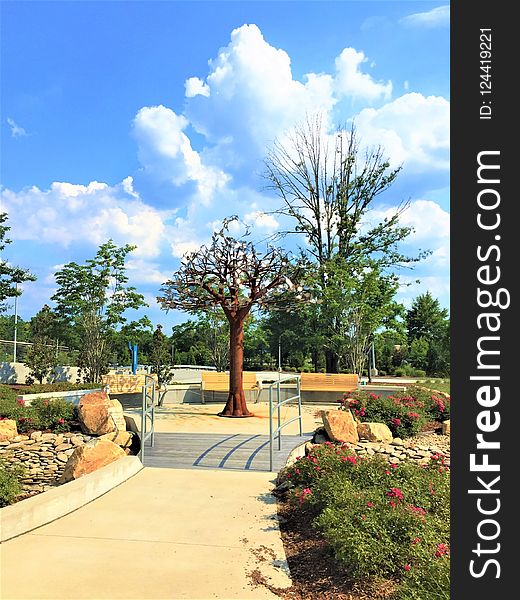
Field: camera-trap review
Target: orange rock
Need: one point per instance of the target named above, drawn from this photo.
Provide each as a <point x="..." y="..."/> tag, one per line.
<point x="88" y="458"/>
<point x="8" y="430"/>
<point x="374" y="432"/>
<point x="99" y="414"/>
<point x="340" y="425"/>
<point x="121" y="438"/>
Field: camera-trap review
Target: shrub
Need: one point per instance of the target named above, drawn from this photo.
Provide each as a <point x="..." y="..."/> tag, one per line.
<point x="403" y="415"/>
<point x="7" y="393"/>
<point x="55" y="414"/>
<point x="437" y="407"/>
<point x="10" y="487"/>
<point x="63" y="386"/>
<point x="380" y="520"/>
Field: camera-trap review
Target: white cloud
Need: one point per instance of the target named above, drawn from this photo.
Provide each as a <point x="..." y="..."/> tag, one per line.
<point x="429" y="220"/>
<point x="165" y="152"/>
<point x="413" y="129"/>
<point x="259" y="219"/>
<point x="143" y="271"/>
<point x="16" y="130"/>
<point x="196" y="87"/>
<point x="350" y="81"/>
<point x="437" y="17"/>
<point x="67" y="213"/>
<point x="251" y="96"/>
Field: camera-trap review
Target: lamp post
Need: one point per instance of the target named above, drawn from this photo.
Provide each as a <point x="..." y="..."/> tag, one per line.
<point x="15" y="320"/>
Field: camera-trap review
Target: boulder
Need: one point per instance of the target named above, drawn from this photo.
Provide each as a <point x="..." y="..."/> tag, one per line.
<point x="8" y="430"/>
<point x="374" y="432"/>
<point x="446" y="427"/>
<point x="90" y="457"/>
<point x="99" y="414"/>
<point x="121" y="438"/>
<point x="340" y="425"/>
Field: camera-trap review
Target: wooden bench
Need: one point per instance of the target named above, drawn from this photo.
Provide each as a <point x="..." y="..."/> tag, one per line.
<point x="328" y="382"/>
<point x="219" y="382"/>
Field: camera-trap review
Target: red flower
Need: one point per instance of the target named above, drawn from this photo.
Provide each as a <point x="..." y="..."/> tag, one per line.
<point x="370" y="504"/>
<point x="396" y="422"/>
<point x="393" y="465"/>
<point x="21" y="401"/>
<point x="61" y="421"/>
<point x="415" y="540"/>
<point x="442" y="549"/>
<point x="395" y="493"/>
<point x="407" y="567"/>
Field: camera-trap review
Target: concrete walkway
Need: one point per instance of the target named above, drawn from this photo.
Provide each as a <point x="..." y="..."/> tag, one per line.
<point x="165" y="533"/>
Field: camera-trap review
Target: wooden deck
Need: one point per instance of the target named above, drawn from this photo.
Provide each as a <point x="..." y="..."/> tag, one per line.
<point x="218" y="451"/>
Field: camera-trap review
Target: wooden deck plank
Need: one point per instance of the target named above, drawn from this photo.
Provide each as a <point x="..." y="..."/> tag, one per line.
<point x="213" y="451"/>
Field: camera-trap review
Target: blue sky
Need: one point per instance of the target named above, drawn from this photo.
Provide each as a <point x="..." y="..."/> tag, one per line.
<point x="147" y="122"/>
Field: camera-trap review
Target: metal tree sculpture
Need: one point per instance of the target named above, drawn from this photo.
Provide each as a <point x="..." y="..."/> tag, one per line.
<point x="235" y="275"/>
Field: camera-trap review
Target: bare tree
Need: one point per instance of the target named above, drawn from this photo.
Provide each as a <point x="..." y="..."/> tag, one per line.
<point x="235" y="275"/>
<point x="327" y="185"/>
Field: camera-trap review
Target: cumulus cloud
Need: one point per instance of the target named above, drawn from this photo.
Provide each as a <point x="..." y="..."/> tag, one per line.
<point x="413" y="129"/>
<point x="261" y="220"/>
<point x="350" y="81"/>
<point x="437" y="17"/>
<point x="166" y="153"/>
<point x="196" y="87"/>
<point x="16" y="130"/>
<point x="67" y="213"/>
<point x="250" y="96"/>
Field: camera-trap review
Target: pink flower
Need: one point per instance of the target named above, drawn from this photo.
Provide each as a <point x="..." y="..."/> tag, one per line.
<point x="305" y="492"/>
<point x="442" y="549"/>
<point x="387" y="472"/>
<point x="352" y="459"/>
<point x="393" y="465"/>
<point x="396" y="422"/>
<point x="417" y="510"/>
<point x="61" y="421"/>
<point x="370" y="504"/>
<point x="395" y="493"/>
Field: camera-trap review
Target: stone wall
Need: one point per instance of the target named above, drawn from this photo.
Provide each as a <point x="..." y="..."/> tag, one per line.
<point x="42" y="455"/>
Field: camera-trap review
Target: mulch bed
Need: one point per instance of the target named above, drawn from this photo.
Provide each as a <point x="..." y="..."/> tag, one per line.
<point x="315" y="574"/>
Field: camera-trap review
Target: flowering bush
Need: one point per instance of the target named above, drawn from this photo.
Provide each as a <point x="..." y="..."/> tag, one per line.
<point x="403" y="415"/>
<point x="380" y="520"/>
<point x="54" y="414"/>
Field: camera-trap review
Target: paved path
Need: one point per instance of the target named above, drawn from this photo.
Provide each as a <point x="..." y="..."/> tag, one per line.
<point x="218" y="451"/>
<point x="168" y="533"/>
<point x="163" y="534"/>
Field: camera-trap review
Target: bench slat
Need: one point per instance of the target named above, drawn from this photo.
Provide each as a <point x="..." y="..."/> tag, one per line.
<point x="323" y="382"/>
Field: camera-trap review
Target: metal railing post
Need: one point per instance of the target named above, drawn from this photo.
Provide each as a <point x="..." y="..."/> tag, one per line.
<point x="270" y="428"/>
<point x="279" y="419"/>
<point x="143" y="423"/>
<point x="299" y="392"/>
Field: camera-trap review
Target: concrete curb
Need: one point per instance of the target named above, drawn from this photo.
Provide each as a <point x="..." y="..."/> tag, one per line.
<point x="39" y="510"/>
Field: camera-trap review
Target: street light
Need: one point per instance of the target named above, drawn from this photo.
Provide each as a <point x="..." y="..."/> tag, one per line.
<point x="15" y="319"/>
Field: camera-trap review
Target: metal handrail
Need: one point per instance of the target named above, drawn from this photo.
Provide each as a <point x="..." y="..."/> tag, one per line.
<point x="279" y="404"/>
<point x="148" y="414"/>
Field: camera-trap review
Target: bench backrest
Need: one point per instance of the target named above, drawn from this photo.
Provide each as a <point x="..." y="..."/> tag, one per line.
<point x="323" y="382"/>
<point x="126" y="383"/>
<point x="219" y="382"/>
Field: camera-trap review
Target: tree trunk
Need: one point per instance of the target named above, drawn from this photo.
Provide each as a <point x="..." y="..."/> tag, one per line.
<point x="236" y="403"/>
<point x="331" y="361"/>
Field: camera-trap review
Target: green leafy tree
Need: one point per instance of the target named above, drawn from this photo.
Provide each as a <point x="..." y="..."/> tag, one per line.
<point x="235" y="275"/>
<point x="327" y="187"/>
<point x="94" y="297"/>
<point x="160" y="356"/>
<point x="425" y="319"/>
<point x="10" y="276"/>
<point x="138" y="332"/>
<point x="41" y="360"/>
<point x="41" y="357"/>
